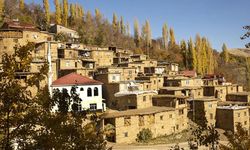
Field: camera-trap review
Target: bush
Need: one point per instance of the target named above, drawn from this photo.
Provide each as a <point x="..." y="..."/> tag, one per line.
<point x="144" y="135"/>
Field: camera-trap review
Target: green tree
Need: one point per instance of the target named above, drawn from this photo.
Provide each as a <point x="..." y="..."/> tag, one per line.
<point x="47" y="12"/>
<point x="224" y="54"/>
<point x="58" y="12"/>
<point x="165" y="35"/>
<point x="65" y="13"/>
<point x="172" y="37"/>
<point x="15" y="98"/>
<point x="240" y="140"/>
<point x="137" y="37"/>
<point x="144" y="135"/>
<point x="184" y="52"/>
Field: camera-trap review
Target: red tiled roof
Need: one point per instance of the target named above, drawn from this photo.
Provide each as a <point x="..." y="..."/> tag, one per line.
<point x="189" y="73"/>
<point x="18" y="25"/>
<point x="75" y="79"/>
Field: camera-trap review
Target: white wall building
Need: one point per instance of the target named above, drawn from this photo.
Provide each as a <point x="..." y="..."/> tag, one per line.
<point x="89" y="90"/>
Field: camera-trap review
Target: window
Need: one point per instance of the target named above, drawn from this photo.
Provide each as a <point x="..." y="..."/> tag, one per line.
<point x="144" y="98"/>
<point x="170" y="116"/>
<point x="5" y="47"/>
<point x="76" y="64"/>
<point x="67" y="64"/>
<point x="177" y="127"/>
<point x="245" y="123"/>
<point x="159" y="80"/>
<point x="81" y="89"/>
<point x="199" y="93"/>
<point x="95" y="91"/>
<point x="245" y="113"/>
<point x="161" y="117"/>
<point x="93" y="106"/>
<point x="211" y="116"/>
<point x="130" y="72"/>
<point x="113" y="77"/>
<point x="162" y="127"/>
<point x="154" y="82"/>
<point x="89" y="92"/>
<point x="127" y="121"/>
<point x="181" y="112"/>
<point x="15" y="40"/>
<point x="210" y="105"/>
<point x="221" y="91"/>
<point x="238" y="114"/>
<point x="126" y="134"/>
<point x="141" y="121"/>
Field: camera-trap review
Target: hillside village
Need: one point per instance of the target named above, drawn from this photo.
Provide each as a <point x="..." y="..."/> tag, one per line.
<point x="131" y="91"/>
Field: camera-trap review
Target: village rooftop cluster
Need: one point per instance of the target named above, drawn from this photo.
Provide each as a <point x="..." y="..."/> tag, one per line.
<point x="131" y="91"/>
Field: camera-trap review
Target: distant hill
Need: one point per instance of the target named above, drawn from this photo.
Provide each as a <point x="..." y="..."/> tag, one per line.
<point x="241" y="52"/>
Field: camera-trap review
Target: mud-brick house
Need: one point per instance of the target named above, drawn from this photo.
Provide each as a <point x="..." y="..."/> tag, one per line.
<point x="90" y="91"/>
<point x="227" y="117"/>
<point x="127" y="124"/>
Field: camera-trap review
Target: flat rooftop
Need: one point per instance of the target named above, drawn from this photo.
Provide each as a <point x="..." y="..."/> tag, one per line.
<point x="206" y="98"/>
<point x="136" y="112"/>
<point x="240" y="93"/>
<point x="234" y="107"/>
<point x="170" y="96"/>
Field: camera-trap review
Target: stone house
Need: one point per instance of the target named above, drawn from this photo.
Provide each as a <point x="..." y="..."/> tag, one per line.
<point x="156" y="81"/>
<point x="171" y="68"/>
<point x="126" y="73"/>
<point x="203" y="108"/>
<point x="183" y="81"/>
<point x="160" y="120"/>
<point x="238" y="97"/>
<point x="134" y="99"/>
<point x="227" y="117"/>
<point x="220" y="91"/>
<point x="189" y="91"/>
<point x="89" y="90"/>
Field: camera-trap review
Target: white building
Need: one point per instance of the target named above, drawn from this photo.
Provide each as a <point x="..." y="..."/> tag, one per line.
<point x="89" y="90"/>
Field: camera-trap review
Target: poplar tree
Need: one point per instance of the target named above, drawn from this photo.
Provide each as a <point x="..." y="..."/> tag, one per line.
<point x="198" y="46"/>
<point x="192" y="55"/>
<point x="184" y="53"/>
<point x="65" y="13"/>
<point x="122" y="26"/>
<point x="1" y="10"/>
<point x="80" y="11"/>
<point x="204" y="50"/>
<point x="172" y="37"/>
<point x="146" y="34"/>
<point x="58" y="12"/>
<point x="128" y="29"/>
<point x="136" y="33"/>
<point x="224" y="54"/>
<point x="98" y="16"/>
<point x="115" y="22"/>
<point x="72" y="11"/>
<point x="47" y="12"/>
<point x="165" y="36"/>
<point x="21" y="4"/>
<point x="210" y="60"/>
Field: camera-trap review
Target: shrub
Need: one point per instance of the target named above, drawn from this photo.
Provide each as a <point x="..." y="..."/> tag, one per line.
<point x="144" y="135"/>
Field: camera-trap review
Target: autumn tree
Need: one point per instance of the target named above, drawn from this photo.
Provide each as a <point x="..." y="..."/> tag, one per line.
<point x="1" y="10"/>
<point x="47" y="12"/>
<point x="122" y="26"/>
<point x="184" y="52"/>
<point x="137" y="37"/>
<point x="165" y="36"/>
<point x="224" y="54"/>
<point x="65" y="12"/>
<point x="58" y="12"/>
<point x="192" y="59"/>
<point x="98" y="16"/>
<point x="115" y="22"/>
<point x="146" y="34"/>
<point x="21" y="5"/>
<point x="172" y="41"/>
